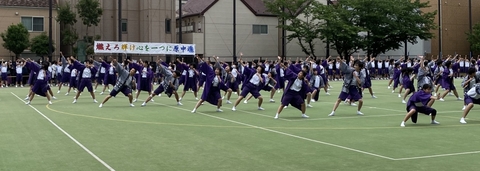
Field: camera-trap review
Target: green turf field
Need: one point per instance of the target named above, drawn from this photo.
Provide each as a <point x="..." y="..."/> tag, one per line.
<point x="164" y="136"/>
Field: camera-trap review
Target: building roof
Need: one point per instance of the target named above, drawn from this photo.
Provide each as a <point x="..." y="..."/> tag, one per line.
<point x="257" y="7"/>
<point x="199" y="7"/>
<point x="27" y="3"/>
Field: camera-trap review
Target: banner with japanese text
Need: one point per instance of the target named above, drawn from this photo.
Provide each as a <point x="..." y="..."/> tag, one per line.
<point x="144" y="48"/>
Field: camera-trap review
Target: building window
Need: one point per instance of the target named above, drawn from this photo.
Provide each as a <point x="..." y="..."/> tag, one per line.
<point x="168" y="26"/>
<point x="124" y="26"/>
<point x="260" y="29"/>
<point x="33" y="23"/>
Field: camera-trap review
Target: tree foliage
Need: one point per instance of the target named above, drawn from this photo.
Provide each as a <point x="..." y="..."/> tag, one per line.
<point x="474" y="38"/>
<point x="90" y="12"/>
<point x="40" y="45"/>
<point x="16" y="38"/>
<point x="67" y="18"/>
<point x="304" y="30"/>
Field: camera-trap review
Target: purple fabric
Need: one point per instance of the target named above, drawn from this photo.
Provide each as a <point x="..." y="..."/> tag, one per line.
<point x="293" y="98"/>
<point x="467" y="99"/>
<point x="19" y="78"/>
<point x="40" y="87"/>
<point x="145" y="85"/>
<point x="250" y="88"/>
<point x="125" y="90"/>
<point x="4" y="76"/>
<point x="210" y="93"/>
<point x="191" y="83"/>
<point x="101" y="78"/>
<point x="353" y="94"/>
<point x="85" y="83"/>
<point x="65" y="77"/>
<point x="73" y="82"/>
<point x="110" y="79"/>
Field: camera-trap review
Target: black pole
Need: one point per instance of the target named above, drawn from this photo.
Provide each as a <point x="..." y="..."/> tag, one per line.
<point x="283" y="36"/>
<point x="234" y="31"/>
<point x="439" y="30"/>
<point x="470" y="20"/>
<point x="406" y="49"/>
<point x="180" y="21"/>
<point x="120" y="26"/>
<point x="328" y="41"/>
<point x="50" y="34"/>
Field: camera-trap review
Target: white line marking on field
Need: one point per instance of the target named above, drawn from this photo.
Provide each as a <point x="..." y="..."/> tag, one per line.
<point x="283" y="133"/>
<point x="348" y="117"/>
<point x="438" y="155"/>
<point x="68" y="135"/>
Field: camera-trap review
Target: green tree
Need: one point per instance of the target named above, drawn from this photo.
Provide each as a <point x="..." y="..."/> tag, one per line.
<point x="90" y="13"/>
<point x="389" y="24"/>
<point x="39" y="45"/>
<point x="474" y="38"/>
<point x="305" y="31"/>
<point x="67" y="18"/>
<point x="339" y="29"/>
<point x="16" y="39"/>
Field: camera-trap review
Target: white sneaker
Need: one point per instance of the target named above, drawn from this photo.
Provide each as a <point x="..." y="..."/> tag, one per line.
<point x="285" y="107"/>
<point x="441" y="99"/>
<point x="21" y="86"/>
<point x="399" y="95"/>
<point x="219" y="110"/>
<point x="434" y="122"/>
<point x="309" y="106"/>
<point x="353" y="104"/>
<point x="403" y="101"/>
<point x="179" y="104"/>
<point x="393" y="91"/>
<point x="196" y="98"/>
<point x="223" y="97"/>
<point x="374" y="97"/>
<point x="50" y="102"/>
<point x="27" y="103"/>
<point x="144" y="104"/>
<point x="389" y="87"/>
<point x="16" y="86"/>
<point x="95" y="101"/>
<point x="327" y="93"/>
<point x="66" y="94"/>
<point x="134" y="100"/>
<point x="359" y="113"/>
<point x="58" y="92"/>
<point x="152" y="100"/>
<point x="464" y="107"/>
<point x="261" y="108"/>
<point x="434" y="94"/>
<point x="229" y="102"/>
<point x="53" y="97"/>
<point x="94" y="91"/>
<point x="194" y="110"/>
<point x="462" y="120"/>
<point x="459" y="98"/>
<point x="131" y="105"/>
<point x="245" y="101"/>
<point x="450" y="94"/>
<point x="101" y="105"/>
<point x="234" y="109"/>
<point x="180" y="99"/>
<point x="74" y="101"/>
<point x="272" y="101"/>
<point x="109" y="90"/>
<point x="313" y="101"/>
<point x="304" y="116"/>
<point x="332" y="114"/>
<point x="26" y="98"/>
<point x="402" y="124"/>
<point x="75" y="91"/>
<point x="278" y="91"/>
<point x="276" y="116"/>
<point x="101" y="93"/>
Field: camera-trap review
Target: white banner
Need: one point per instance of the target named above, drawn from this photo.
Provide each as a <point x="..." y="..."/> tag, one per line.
<point x="144" y="48"/>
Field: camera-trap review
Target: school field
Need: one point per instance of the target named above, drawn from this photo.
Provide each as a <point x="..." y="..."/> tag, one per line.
<point x="164" y="136"/>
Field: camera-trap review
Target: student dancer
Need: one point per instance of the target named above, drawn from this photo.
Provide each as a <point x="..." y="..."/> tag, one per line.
<point x="40" y="86"/>
<point x="254" y="81"/>
<point x="351" y="85"/>
<point x="125" y="83"/>
<point x="169" y="85"/>
<point x="191" y="79"/>
<point x="421" y="102"/>
<point x="268" y="87"/>
<point x="73" y="84"/>
<point x="448" y="81"/>
<point x="472" y="96"/>
<point x="87" y="71"/>
<point x="468" y="82"/>
<point x="144" y="82"/>
<point x="232" y="81"/>
<point x="110" y="75"/>
<point x="295" y="92"/>
<point x="64" y="71"/>
<point x="100" y="75"/>
<point x="424" y="75"/>
<point x="19" y="71"/>
<point x="316" y="83"/>
<point x="213" y="84"/>
<point x="3" y="70"/>
<point x="368" y="82"/>
<point x="407" y="80"/>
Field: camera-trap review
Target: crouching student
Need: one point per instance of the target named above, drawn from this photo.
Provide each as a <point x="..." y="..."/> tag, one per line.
<point x="471" y="97"/>
<point x="421" y="102"/>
